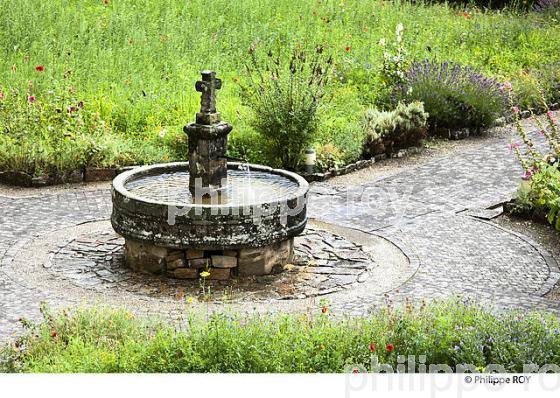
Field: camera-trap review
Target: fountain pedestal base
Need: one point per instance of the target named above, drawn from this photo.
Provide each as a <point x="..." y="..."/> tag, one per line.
<point x="221" y="264"/>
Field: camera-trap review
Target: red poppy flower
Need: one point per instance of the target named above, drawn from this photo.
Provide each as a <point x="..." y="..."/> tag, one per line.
<point x="466" y="15"/>
<point x="355" y="370"/>
<point x="372" y="347"/>
<point x="390" y="347"/>
<point x="31" y="99"/>
<point x="324" y="310"/>
<point x="54" y="333"/>
<point x="347" y="49"/>
<point x="40" y="68"/>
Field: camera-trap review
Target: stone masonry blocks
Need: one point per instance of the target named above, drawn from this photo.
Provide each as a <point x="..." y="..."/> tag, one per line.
<point x="221" y="264"/>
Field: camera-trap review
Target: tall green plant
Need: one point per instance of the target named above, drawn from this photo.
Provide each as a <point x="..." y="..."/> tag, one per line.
<point x="285" y="91"/>
<point x="541" y="171"/>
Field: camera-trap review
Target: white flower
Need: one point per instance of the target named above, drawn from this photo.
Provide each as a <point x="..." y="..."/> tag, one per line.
<point x="162" y="133"/>
<point x="400" y="28"/>
<point x="382" y="41"/>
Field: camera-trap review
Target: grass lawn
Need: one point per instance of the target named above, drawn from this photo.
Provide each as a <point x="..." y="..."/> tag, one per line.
<point x="132" y="64"/>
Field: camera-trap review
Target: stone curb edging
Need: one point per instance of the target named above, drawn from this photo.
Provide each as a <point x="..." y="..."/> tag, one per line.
<point x="410" y="254"/>
<point x="94" y="174"/>
<point x="458" y="134"/>
<point x="88" y="174"/>
<point x="360" y="164"/>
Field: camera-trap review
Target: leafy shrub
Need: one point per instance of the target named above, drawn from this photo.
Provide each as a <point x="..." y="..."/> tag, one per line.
<point x="451" y="332"/>
<point x="284" y="94"/>
<point x="389" y="131"/>
<point x="537" y="87"/>
<point x="541" y="194"/>
<point x="454" y="96"/>
<point x="541" y="191"/>
<point x="329" y="157"/>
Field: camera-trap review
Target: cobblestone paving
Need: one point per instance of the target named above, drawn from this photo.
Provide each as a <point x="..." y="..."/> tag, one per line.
<point x="421" y="209"/>
<point x="324" y="263"/>
<point x="426" y="209"/>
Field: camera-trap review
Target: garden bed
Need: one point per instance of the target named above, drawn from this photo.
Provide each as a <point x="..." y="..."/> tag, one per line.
<point x="359" y="165"/>
<point x="88" y="174"/>
<point x="69" y="114"/>
<point x="536" y="214"/>
<point x="453" y="333"/>
<point x="94" y="174"/>
<point x="91" y="174"/>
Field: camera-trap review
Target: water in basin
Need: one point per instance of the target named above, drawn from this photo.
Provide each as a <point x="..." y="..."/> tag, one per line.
<point x="243" y="187"/>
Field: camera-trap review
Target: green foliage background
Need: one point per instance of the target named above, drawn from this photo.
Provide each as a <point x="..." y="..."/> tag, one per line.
<point x="134" y="62"/>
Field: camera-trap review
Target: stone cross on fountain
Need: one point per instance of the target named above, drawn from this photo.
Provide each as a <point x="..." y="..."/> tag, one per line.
<point x="207" y="141"/>
<point x="208" y="86"/>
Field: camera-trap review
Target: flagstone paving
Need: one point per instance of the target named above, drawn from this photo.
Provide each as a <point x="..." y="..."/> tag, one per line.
<point x="420" y="233"/>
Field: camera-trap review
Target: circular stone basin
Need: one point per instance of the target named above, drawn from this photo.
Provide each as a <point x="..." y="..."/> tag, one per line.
<point x="258" y="207"/>
<point x="243" y="188"/>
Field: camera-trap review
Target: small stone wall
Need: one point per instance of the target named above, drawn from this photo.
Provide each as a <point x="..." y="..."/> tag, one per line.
<point x="221" y="264"/>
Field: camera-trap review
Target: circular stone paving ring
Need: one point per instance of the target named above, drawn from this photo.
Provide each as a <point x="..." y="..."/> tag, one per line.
<point x="246" y="230"/>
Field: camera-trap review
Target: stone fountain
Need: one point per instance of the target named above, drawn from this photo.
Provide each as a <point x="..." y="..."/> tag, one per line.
<point x="208" y="214"/>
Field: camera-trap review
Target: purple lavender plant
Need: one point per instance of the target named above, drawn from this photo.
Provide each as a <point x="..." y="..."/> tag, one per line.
<point x="455" y="96"/>
<point x="545" y="5"/>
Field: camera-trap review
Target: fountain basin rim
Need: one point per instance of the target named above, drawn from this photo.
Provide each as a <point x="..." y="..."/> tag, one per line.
<point x="161" y="168"/>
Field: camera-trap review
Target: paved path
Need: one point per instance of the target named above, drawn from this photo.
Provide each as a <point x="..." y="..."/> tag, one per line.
<point x="428" y="211"/>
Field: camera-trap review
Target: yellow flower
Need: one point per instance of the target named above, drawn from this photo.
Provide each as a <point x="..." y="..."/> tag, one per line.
<point x="190" y="300"/>
<point x="205" y="274"/>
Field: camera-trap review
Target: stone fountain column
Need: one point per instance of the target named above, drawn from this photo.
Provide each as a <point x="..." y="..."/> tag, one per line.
<point x="220" y="239"/>
<point x="207" y="142"/>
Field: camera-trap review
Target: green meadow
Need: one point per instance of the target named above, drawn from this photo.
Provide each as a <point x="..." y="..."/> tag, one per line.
<point x="132" y="64"/>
